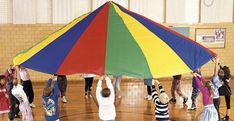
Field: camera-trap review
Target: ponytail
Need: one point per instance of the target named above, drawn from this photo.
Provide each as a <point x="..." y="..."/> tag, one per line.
<point x="208" y="85"/>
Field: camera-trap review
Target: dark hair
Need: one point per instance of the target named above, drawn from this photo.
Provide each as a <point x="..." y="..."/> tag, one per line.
<point x="227" y="72"/>
<point x="2" y="77"/>
<point x="105" y="92"/>
<point x="221" y="73"/>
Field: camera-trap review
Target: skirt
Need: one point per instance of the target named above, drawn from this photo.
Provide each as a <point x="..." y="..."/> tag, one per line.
<point x="209" y="113"/>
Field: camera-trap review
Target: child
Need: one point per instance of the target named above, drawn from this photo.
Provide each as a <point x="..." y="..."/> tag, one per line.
<point x="217" y="83"/>
<point x="106" y="98"/>
<point x="209" y="112"/>
<point x="175" y="86"/>
<point x="195" y="92"/>
<point x="27" y="85"/>
<point x="148" y="83"/>
<point x="50" y="100"/>
<point x="14" y="108"/>
<point x="226" y="92"/>
<point x="88" y="84"/>
<point x="62" y="84"/>
<point x="20" y="95"/>
<point x="160" y="102"/>
<point x="116" y="84"/>
<point x="4" y="98"/>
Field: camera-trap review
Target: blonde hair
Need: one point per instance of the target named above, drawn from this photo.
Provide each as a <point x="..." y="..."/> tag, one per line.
<point x="163" y="98"/>
<point x="208" y="85"/>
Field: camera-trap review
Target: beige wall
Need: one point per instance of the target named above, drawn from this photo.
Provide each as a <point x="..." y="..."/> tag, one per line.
<point x="15" y="38"/>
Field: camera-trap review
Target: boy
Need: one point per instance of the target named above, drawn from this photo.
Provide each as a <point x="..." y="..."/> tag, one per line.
<point x="160" y="102"/>
<point x="50" y="100"/>
<point x="106" y="98"/>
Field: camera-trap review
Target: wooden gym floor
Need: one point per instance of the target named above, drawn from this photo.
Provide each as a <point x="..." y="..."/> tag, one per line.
<point x="132" y="106"/>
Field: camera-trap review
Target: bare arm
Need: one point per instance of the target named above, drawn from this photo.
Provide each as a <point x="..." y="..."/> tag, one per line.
<point x="18" y="74"/>
<point x="216" y="68"/>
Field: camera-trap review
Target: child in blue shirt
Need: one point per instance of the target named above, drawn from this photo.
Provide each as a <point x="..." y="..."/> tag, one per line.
<point x="50" y="100"/>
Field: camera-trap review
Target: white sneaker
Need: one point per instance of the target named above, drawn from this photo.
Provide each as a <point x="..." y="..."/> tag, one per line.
<point x="64" y="99"/>
<point x="149" y="98"/>
<point x="32" y="105"/>
<point x="90" y="96"/>
<point x="146" y="97"/>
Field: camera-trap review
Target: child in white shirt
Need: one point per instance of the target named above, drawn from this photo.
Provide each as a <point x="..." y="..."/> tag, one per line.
<point x="106" y="98"/>
<point x="20" y="95"/>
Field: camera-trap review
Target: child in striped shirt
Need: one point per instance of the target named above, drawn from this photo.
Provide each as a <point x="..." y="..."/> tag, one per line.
<point x="161" y="102"/>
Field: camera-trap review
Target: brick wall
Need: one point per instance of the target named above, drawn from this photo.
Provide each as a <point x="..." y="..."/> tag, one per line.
<point x="15" y="38"/>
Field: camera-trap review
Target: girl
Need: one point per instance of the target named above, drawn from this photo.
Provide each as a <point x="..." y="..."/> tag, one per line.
<point x="4" y="98"/>
<point x="226" y="90"/>
<point x="209" y="112"/>
<point x="88" y="84"/>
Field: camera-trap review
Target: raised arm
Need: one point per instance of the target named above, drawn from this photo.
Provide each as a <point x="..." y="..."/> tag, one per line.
<point x="56" y="88"/>
<point x="216" y="68"/>
<point x="198" y="81"/>
<point x="154" y="93"/>
<point x="17" y="74"/>
<point x="99" y="88"/>
<point x="110" y="86"/>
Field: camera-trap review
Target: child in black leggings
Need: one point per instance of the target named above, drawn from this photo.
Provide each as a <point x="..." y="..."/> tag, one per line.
<point x="226" y="79"/>
<point x="88" y="84"/>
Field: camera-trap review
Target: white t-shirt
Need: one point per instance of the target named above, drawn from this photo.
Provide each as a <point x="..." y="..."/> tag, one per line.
<point x="19" y="93"/>
<point x="24" y="75"/>
<point x="106" y="105"/>
<point x="88" y="75"/>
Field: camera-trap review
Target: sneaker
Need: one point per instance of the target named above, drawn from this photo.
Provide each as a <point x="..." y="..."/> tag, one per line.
<point x="185" y="100"/>
<point x="226" y="118"/>
<point x="193" y="108"/>
<point x="146" y="97"/>
<point x="64" y="99"/>
<point x="32" y="105"/>
<point x="149" y="98"/>
<point x="172" y="101"/>
<point x="86" y="96"/>
<point x="90" y="96"/>
<point x="17" y="116"/>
